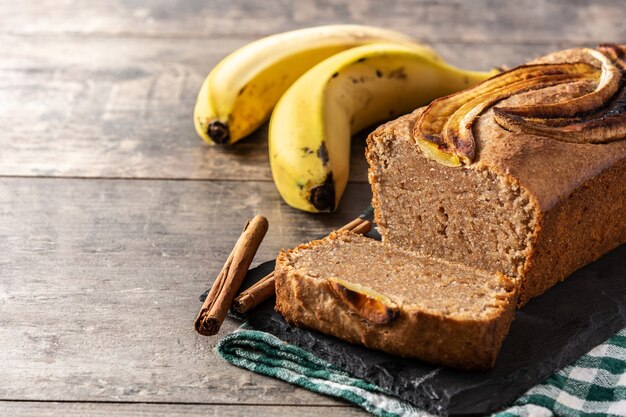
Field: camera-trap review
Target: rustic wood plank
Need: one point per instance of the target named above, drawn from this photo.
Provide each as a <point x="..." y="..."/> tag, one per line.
<point x="70" y="107"/>
<point x="99" y="286"/>
<point x="99" y="278"/>
<point x="476" y="20"/>
<point x="41" y="409"/>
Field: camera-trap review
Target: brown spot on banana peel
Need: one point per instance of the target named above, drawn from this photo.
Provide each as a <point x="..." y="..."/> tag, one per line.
<point x="398" y="74"/>
<point x="365" y="302"/>
<point x="322" y="153"/>
<point x="322" y="196"/>
<point x="219" y="132"/>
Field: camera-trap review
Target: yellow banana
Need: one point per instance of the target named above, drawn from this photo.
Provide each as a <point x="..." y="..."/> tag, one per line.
<point x="310" y="128"/>
<point x="240" y="92"/>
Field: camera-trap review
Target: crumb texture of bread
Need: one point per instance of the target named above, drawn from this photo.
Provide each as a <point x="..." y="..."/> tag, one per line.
<point x="447" y="313"/>
<point x="532" y="207"/>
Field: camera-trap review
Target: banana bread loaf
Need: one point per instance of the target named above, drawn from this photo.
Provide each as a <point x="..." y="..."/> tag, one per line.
<point x="387" y="298"/>
<point x="531" y="206"/>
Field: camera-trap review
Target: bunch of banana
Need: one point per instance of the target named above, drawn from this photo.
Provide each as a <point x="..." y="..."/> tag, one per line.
<point x="311" y="126"/>
<point x="239" y="94"/>
<point x="329" y="82"/>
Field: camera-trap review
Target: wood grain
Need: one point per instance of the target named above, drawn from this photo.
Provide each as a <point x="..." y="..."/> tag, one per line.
<point x="99" y="278"/>
<point x="100" y="282"/>
<point x="522" y="21"/>
<point x="69" y="107"/>
<point x="42" y="409"/>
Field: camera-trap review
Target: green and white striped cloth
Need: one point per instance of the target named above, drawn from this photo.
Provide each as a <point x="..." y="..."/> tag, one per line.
<point x="593" y="386"/>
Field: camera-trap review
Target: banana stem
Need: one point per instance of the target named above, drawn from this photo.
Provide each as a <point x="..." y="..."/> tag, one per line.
<point x="219" y="132"/>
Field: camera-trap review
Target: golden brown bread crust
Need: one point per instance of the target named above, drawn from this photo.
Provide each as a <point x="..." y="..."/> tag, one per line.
<point x="471" y="344"/>
<point x="577" y="230"/>
<point x="577" y="191"/>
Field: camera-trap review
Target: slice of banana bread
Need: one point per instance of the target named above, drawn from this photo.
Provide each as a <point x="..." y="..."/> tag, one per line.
<point x="387" y="298"/>
<point x="535" y="208"/>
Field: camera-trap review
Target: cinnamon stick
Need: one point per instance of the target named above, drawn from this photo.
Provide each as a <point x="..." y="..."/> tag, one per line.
<point x="255" y="295"/>
<point x="362" y="228"/>
<point x="228" y="281"/>
<point x="265" y="288"/>
<point x="354" y="223"/>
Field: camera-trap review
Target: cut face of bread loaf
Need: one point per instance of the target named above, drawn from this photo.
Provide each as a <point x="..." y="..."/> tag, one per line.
<point x="532" y="207"/>
<point x="387" y="298"/>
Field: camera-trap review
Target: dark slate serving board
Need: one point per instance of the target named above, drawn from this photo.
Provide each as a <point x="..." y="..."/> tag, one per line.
<point x="547" y="334"/>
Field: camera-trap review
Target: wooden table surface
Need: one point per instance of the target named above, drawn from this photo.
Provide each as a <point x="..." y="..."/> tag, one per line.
<point x="115" y="216"/>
